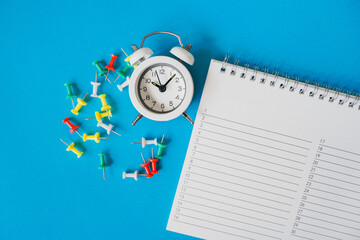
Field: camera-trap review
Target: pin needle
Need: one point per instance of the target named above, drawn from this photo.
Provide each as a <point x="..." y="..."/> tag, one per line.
<point x="124" y="52"/>
<point x="64" y="142"/>
<point x="85" y="95"/>
<point x="143" y="158"/>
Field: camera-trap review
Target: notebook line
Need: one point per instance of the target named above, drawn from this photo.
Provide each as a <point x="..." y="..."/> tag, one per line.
<point x="341" y="165"/>
<point x="248" y="164"/>
<point x="358" y="154"/>
<point x="323" y="220"/>
<point x="331" y="200"/>
<point x="212" y="229"/>
<point x="332" y="208"/>
<point x="314" y="225"/>
<point x="247" y="125"/>
<point x="255" y="135"/>
<point x="249" y="149"/>
<point x="331" y="215"/>
<point x="241" y="170"/>
<point x="238" y="192"/>
<point x="332" y="155"/>
<point x="279" y="149"/>
<point x="237" y="206"/>
<point x="230" y="226"/>
<point x="243" y="215"/>
<point x="267" y="184"/>
<point x="238" y="184"/>
<point x="214" y="215"/>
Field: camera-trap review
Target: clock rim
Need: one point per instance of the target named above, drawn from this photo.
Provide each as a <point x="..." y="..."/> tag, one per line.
<point x="134" y="97"/>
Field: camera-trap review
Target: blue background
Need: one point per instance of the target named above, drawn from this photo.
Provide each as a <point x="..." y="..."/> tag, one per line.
<point x="46" y="192"/>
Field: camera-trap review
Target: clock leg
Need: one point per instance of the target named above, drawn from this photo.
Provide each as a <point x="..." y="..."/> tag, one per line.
<point x="187" y="117"/>
<point x="138" y="117"/>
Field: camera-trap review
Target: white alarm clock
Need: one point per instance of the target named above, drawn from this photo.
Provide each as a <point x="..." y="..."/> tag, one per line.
<point x="161" y="88"/>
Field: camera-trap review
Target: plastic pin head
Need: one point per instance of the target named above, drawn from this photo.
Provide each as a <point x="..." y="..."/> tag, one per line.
<point x="73" y="128"/>
<point x="102" y="163"/>
<point x="111" y="64"/>
<point x="80" y="103"/>
<point x="101" y="70"/>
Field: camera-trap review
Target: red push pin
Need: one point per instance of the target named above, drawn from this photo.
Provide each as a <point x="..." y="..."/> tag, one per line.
<point x="73" y="128"/>
<point x="145" y="165"/>
<point x="111" y="64"/>
<point x="153" y="162"/>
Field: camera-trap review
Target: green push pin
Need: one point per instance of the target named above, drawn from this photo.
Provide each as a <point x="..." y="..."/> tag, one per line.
<point x="70" y="93"/>
<point x="102" y="163"/>
<point x="123" y="72"/>
<point x="161" y="146"/>
<point x="102" y="71"/>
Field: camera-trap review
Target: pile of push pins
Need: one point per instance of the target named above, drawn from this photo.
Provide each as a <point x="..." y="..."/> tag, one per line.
<point x="151" y="161"/>
<point x="105" y="112"/>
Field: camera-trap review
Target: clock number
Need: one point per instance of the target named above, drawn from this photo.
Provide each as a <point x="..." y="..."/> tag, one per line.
<point x="162" y="71"/>
<point x="162" y="105"/>
<point x="180" y="88"/>
<point x="147" y="97"/>
<point x="171" y="103"/>
<point x="154" y="102"/>
<point x="144" y="89"/>
<point x="177" y="80"/>
<point x="177" y="97"/>
<point x="147" y="80"/>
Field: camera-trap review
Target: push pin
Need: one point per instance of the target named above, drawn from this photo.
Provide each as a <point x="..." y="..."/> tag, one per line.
<point x="161" y="147"/>
<point x="123" y="72"/>
<point x="102" y="71"/>
<point x="105" y="106"/>
<point x="108" y="128"/>
<point x="95" y="85"/>
<point x="80" y="103"/>
<point x="145" y="142"/>
<point x="73" y="128"/>
<point x="99" y="116"/>
<point x="127" y="59"/>
<point x="70" y="93"/>
<point x="111" y="64"/>
<point x="102" y="163"/>
<point x="145" y="165"/>
<point x="72" y="148"/>
<point x="153" y="162"/>
<point x="124" y="84"/>
<point x="134" y="175"/>
<point x="96" y="137"/>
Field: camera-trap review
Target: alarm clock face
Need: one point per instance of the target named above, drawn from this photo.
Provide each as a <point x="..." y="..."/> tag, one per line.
<point x="161" y="88"/>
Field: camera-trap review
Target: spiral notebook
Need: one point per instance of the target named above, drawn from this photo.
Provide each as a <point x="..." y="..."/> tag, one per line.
<point x="270" y="158"/>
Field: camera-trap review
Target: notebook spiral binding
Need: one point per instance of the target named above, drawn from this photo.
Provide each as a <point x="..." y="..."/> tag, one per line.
<point x="313" y="88"/>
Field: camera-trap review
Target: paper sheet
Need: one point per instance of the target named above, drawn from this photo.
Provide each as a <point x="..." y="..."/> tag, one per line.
<point x="269" y="163"/>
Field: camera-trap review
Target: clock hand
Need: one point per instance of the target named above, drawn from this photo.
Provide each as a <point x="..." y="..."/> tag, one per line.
<point x="155" y="84"/>
<point x="158" y="77"/>
<point x="169" y="80"/>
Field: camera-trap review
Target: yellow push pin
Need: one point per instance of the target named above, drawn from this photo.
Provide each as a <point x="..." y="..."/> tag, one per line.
<point x="99" y="116"/>
<point x="80" y="103"/>
<point x="96" y="137"/>
<point x="127" y="59"/>
<point x="105" y="106"/>
<point x="72" y="148"/>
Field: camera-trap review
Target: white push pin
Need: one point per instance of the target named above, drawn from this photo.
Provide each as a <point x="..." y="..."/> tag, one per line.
<point x="145" y="142"/>
<point x="134" y="175"/>
<point x="124" y="84"/>
<point x="95" y="87"/>
<point x="108" y="128"/>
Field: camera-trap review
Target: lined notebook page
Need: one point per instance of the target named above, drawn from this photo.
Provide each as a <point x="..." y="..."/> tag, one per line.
<point x="269" y="163"/>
